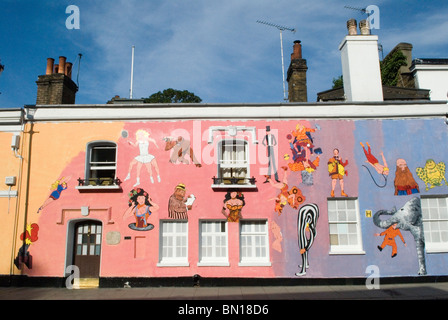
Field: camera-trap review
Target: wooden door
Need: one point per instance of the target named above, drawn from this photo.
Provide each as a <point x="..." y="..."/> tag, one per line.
<point x="87" y="251"/>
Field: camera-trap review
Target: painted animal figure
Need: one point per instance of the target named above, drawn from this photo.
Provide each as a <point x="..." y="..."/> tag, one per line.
<point x="408" y="218"/>
<point x="432" y="174"/>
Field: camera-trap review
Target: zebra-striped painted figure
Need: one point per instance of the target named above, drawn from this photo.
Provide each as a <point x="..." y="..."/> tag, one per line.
<point x="306" y="221"/>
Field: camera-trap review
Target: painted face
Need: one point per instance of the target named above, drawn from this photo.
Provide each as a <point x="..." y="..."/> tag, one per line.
<point x="233" y="194"/>
<point x="336" y="152"/>
<point x="179" y="194"/>
<point x="430" y="164"/>
<point x="401" y="163"/>
<point x="141" y="200"/>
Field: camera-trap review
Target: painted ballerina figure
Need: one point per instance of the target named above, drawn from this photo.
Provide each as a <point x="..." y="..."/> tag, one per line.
<point x="144" y="158"/>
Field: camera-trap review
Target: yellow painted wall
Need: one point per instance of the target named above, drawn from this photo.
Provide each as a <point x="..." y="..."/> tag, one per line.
<point x="9" y="166"/>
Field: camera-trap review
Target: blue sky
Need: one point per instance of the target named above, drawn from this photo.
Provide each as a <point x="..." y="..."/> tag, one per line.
<point x="215" y="49"/>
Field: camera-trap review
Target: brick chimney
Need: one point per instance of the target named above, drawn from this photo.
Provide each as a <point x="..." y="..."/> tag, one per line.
<point x="296" y="77"/>
<point x="56" y="86"/>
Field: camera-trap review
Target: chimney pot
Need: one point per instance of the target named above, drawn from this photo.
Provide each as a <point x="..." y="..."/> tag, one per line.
<point x="297" y="50"/>
<point x="62" y="64"/>
<point x="68" y="69"/>
<point x="351" y="26"/>
<point x="50" y="66"/>
<point x="364" y="27"/>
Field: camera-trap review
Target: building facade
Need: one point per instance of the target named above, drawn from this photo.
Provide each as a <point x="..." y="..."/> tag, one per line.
<point x="227" y="191"/>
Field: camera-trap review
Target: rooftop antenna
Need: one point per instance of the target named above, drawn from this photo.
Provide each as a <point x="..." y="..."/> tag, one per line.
<point x="132" y="73"/>
<point x="362" y="10"/>
<point x="281" y="29"/>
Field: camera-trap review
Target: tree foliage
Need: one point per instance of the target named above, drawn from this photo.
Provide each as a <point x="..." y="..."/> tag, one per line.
<point x="173" y="96"/>
<point x="390" y="67"/>
<point x="338" y="82"/>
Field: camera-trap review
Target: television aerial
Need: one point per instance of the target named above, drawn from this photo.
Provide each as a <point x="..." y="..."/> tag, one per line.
<point x="362" y="10"/>
<point x="281" y="29"/>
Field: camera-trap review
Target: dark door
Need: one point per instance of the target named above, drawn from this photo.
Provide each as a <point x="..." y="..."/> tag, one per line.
<point x="88" y="248"/>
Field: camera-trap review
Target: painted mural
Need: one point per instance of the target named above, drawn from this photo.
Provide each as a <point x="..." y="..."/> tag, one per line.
<point x="233" y="206"/>
<point x="306" y="232"/>
<point x="144" y="158"/>
<point x="409" y="218"/>
<point x="28" y="237"/>
<point x="432" y="174"/>
<point x="56" y="190"/>
<point x="140" y="207"/>
<point x="381" y="169"/>
<point x="337" y="171"/>
<point x="404" y="182"/>
<point x="179" y="204"/>
<point x="161" y="180"/>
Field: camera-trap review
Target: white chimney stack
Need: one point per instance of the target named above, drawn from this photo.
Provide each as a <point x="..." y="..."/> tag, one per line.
<point x="361" y="64"/>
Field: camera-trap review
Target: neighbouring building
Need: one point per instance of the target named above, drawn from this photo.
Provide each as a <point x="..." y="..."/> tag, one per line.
<point x="152" y="193"/>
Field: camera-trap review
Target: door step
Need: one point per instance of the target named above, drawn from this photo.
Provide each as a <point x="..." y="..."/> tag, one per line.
<point x="86" y="283"/>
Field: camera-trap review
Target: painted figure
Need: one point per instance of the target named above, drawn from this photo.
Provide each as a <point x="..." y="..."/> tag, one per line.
<point x="233" y="203"/>
<point x="336" y="170"/>
<point x="181" y="147"/>
<point x="432" y="174"/>
<point x="278" y="237"/>
<point x="306" y="231"/>
<point x="141" y="207"/>
<point x="404" y="181"/>
<point x="269" y="141"/>
<point x="178" y="204"/>
<point x="28" y="237"/>
<point x="408" y="218"/>
<point x="144" y="158"/>
<point x="56" y="189"/>
<point x="381" y="169"/>
<point x="301" y="146"/>
<point x="292" y="197"/>
<point x="389" y="238"/>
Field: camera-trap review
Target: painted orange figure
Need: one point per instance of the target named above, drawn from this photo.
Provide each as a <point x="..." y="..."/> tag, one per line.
<point x="389" y="239"/>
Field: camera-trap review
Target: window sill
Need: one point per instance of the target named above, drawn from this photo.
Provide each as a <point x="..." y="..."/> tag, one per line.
<point x="255" y="264"/>
<point x="213" y="264"/>
<point x="234" y="186"/>
<point x="347" y="252"/>
<point x="173" y="264"/>
<point x="98" y="188"/>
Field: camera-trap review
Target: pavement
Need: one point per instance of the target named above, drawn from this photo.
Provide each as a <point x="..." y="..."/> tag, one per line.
<point x="405" y="291"/>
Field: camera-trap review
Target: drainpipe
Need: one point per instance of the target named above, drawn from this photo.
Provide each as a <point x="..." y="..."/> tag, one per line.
<point x="19" y="197"/>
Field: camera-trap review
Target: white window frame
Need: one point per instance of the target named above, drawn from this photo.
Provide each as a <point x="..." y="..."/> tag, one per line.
<point x="222" y="163"/>
<point x="90" y="165"/>
<point x="215" y="237"/>
<point x="179" y="238"/>
<point x="342" y="226"/>
<point x="252" y="260"/>
<point x="434" y="214"/>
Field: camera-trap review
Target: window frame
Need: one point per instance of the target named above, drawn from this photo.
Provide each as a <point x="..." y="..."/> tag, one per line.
<point x="253" y="261"/>
<point x="88" y="182"/>
<point x="213" y="260"/>
<point x="345" y="249"/>
<point x="173" y="261"/>
<point x="218" y="182"/>
<point x="430" y="246"/>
